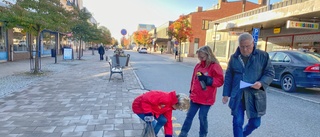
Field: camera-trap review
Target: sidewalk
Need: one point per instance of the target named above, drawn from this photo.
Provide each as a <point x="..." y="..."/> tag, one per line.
<point x="71" y="99"/>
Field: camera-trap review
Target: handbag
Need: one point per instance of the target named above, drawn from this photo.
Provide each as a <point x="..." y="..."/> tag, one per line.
<point x="148" y="130"/>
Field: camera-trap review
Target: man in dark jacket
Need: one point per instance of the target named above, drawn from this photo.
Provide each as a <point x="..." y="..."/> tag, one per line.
<point x="252" y="66"/>
<point x="101" y="51"/>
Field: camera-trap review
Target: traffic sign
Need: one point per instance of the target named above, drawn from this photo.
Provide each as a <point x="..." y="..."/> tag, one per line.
<point x="255" y="35"/>
<point x="124" y="32"/>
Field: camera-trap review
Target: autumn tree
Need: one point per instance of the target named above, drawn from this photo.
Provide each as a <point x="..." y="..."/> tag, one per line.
<point x="34" y="16"/>
<point x="181" y="31"/>
<point x="142" y="37"/>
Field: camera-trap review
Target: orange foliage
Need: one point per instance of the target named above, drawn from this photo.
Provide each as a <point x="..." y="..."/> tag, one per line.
<point x="142" y="37"/>
<point x="181" y="29"/>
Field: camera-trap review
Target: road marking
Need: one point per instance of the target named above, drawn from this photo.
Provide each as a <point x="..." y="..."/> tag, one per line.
<point x="295" y="96"/>
<point x="134" y="72"/>
<point x="177" y="132"/>
<point x="176" y="125"/>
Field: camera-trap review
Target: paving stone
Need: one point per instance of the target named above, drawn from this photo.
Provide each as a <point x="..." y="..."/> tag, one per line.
<point x="71" y="99"/>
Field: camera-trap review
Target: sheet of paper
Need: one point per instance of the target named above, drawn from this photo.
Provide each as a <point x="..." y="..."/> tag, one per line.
<point x="244" y="84"/>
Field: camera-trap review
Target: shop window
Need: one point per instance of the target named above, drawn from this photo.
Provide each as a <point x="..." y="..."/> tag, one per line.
<point x="221" y="48"/>
<point x="233" y="47"/>
<point x="48" y="41"/>
<point x="2" y="43"/>
<point x="19" y="40"/>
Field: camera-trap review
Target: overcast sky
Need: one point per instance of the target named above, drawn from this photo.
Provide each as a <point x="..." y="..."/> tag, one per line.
<point x="127" y="14"/>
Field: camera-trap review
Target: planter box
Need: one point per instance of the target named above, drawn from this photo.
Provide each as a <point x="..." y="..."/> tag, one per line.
<point x="122" y="61"/>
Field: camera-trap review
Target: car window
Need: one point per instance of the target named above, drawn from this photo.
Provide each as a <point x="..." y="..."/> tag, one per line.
<point x="287" y="59"/>
<point x="308" y="57"/>
<point x="280" y="57"/>
<point x="271" y="54"/>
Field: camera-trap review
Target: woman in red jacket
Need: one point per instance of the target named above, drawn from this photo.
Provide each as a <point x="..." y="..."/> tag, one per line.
<point x="159" y="105"/>
<point x="206" y="78"/>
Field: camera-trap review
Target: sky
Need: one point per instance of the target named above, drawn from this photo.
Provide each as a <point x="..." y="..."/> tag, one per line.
<point x="127" y="14"/>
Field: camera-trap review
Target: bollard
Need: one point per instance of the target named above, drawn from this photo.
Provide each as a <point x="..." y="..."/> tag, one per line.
<point x="128" y="57"/>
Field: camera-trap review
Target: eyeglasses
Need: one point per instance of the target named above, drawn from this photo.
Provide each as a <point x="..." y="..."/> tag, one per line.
<point x="245" y="46"/>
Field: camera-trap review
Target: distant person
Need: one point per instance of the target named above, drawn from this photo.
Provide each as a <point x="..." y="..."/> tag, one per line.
<point x="175" y="52"/>
<point x="156" y="106"/>
<point x="101" y="52"/>
<point x="207" y="76"/>
<point x="161" y="50"/>
<point x="253" y="66"/>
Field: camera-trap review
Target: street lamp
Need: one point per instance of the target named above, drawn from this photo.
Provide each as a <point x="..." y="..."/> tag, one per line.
<point x="215" y="36"/>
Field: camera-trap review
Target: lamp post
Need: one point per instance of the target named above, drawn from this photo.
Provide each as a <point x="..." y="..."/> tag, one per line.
<point x="215" y="36"/>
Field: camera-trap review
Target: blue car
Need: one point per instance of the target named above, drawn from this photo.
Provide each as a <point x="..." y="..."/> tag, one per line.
<point x="295" y="69"/>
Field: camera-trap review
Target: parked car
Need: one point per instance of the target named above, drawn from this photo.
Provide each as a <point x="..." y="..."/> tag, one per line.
<point x="143" y="50"/>
<point x="295" y="69"/>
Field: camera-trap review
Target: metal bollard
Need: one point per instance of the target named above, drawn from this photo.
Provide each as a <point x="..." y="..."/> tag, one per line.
<point x="128" y="57"/>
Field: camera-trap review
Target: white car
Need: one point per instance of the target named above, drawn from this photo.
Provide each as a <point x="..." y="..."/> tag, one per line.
<point x="143" y="50"/>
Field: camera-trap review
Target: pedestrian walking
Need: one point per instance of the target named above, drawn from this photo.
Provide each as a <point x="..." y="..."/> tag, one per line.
<point x="101" y="52"/>
<point x="156" y="106"/>
<point x="161" y="50"/>
<point x="206" y="78"/>
<point x="253" y="66"/>
<point x="175" y="52"/>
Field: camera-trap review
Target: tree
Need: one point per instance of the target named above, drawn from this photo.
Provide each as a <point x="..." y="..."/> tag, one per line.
<point x="82" y="30"/>
<point x="181" y="31"/>
<point x="105" y="35"/>
<point x="34" y="16"/>
<point x="142" y="37"/>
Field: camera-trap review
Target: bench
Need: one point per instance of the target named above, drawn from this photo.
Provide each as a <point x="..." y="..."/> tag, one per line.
<point x="115" y="68"/>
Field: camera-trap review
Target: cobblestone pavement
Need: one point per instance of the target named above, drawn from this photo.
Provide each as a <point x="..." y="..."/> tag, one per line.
<point x="70" y="99"/>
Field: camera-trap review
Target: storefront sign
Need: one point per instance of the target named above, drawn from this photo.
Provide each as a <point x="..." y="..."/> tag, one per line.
<point x="302" y="25"/>
<point x="236" y="33"/>
<point x="276" y="30"/>
<point x="217" y="37"/>
<point x="67" y="53"/>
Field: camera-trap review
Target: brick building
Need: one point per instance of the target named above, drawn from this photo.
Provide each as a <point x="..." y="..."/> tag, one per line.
<point x="200" y="18"/>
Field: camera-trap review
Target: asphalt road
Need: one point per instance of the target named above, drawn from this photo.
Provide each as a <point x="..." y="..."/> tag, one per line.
<point x="288" y="114"/>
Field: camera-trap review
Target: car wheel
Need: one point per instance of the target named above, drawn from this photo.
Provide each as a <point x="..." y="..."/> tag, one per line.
<point x="287" y="83"/>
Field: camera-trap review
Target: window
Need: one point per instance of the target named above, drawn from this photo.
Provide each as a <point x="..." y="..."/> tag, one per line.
<point x="2" y="44"/>
<point x="48" y="41"/>
<point x="205" y="24"/>
<point x="19" y="40"/>
<point x="280" y="57"/>
<point x="271" y="54"/>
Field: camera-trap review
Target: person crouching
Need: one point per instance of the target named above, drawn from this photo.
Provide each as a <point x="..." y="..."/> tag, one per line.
<point x="157" y="106"/>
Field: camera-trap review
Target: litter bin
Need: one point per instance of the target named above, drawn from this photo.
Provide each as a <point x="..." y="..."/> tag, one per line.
<point x="128" y="57"/>
<point x="53" y="53"/>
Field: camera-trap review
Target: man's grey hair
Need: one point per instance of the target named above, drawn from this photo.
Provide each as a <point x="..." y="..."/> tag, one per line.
<point x="245" y="36"/>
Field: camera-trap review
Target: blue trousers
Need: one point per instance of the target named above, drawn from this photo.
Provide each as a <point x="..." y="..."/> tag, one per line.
<point x="238" y="121"/>
<point x="203" y="112"/>
<point x="157" y="124"/>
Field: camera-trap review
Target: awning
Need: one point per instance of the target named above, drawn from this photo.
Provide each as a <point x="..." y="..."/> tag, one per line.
<point x="162" y="40"/>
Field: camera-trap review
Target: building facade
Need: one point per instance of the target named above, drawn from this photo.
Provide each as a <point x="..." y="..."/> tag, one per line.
<point x="16" y="44"/>
<point x="286" y="25"/>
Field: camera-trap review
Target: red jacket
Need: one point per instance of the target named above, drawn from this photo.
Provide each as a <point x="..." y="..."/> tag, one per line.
<point x="208" y="96"/>
<point x="157" y="102"/>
